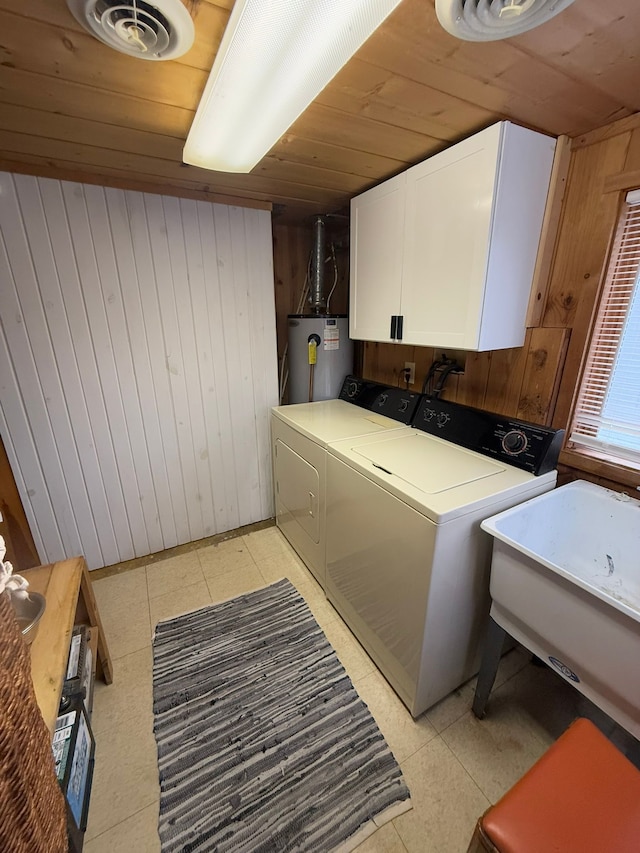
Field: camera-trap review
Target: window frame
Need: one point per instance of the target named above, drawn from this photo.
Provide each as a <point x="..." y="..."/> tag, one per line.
<point x="594" y="461"/>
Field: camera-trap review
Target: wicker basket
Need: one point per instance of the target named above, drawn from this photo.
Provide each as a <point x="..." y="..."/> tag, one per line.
<point x="33" y="808"/>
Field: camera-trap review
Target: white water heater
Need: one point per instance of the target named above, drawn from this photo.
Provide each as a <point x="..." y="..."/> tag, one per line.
<point x="333" y="353"/>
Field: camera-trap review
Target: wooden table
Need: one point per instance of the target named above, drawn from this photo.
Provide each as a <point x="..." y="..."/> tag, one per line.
<point x="70" y="601"/>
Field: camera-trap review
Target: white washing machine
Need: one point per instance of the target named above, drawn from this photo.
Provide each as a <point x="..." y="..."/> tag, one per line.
<point x="407" y="565"/>
<point x="300" y="434"/>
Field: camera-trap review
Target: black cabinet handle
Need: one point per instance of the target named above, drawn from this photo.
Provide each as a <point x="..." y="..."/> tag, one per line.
<point x="394" y="325"/>
<point x="399" y="321"/>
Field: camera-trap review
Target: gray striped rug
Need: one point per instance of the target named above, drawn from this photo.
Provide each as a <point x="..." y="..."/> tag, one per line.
<point x="263" y="743"/>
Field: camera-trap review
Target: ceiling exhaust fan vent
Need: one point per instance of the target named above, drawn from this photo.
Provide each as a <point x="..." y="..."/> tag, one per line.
<point x="489" y="20"/>
<point x="162" y="30"/>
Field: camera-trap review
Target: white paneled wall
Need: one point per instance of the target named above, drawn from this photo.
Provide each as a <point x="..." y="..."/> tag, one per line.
<point x="137" y="366"/>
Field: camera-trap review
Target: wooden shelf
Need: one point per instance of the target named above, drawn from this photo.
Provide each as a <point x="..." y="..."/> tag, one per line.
<point x="67" y="588"/>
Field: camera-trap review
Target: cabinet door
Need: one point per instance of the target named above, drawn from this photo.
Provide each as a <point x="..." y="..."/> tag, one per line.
<point x="447" y="231"/>
<point x="377" y="223"/>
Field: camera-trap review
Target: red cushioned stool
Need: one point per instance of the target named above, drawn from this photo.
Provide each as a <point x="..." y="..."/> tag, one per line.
<point x="582" y="796"/>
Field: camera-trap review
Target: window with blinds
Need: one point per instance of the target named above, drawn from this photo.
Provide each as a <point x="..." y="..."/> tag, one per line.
<point x="607" y="413"/>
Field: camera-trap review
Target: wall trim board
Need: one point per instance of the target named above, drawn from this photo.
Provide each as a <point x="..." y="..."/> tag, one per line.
<point x="584" y="241"/>
<point x="601" y="134"/>
<point x="549" y="233"/>
<point x="622" y="182"/>
<point x="592" y="467"/>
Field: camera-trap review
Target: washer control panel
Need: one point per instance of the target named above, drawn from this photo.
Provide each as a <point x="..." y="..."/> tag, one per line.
<point x="386" y="400"/>
<point x="528" y="446"/>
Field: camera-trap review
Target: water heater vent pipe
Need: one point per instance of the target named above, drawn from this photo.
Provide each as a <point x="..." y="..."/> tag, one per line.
<point x="317" y="297"/>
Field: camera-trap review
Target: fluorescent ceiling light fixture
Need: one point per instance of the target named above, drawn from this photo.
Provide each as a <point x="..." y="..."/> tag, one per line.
<point x="276" y="56"/>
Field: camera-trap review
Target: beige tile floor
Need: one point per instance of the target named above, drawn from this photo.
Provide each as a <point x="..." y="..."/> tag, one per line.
<point x="454" y="764"/>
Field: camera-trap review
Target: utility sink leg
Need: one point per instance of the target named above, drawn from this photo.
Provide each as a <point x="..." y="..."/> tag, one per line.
<point x="489" y="667"/>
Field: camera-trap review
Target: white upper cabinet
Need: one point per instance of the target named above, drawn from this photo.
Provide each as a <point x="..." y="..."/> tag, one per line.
<point x="443" y="255"/>
<point x="377" y="233"/>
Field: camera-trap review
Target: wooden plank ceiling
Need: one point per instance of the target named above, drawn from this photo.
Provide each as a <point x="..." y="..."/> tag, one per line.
<point x="72" y="107"/>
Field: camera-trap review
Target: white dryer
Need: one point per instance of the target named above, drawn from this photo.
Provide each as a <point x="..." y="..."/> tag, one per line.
<point x="300" y="434"/>
<point x="407" y="565"/>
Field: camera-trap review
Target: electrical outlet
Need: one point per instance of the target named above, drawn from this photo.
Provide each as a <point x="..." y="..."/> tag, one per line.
<point x="411" y="367"/>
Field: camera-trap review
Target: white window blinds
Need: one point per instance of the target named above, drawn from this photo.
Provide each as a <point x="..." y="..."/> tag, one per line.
<point x="607" y="414"/>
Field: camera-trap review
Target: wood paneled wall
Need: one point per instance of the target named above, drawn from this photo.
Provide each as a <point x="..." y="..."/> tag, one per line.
<point x="519" y="382"/>
<point x="137" y="366"/>
<point x="537" y="382"/>
<point x="14" y="527"/>
<point x="605" y="165"/>
<point x="292" y="246"/>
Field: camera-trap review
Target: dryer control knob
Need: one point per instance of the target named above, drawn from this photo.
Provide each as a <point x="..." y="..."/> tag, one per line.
<point x="443" y="419"/>
<point x="382" y="399"/>
<point x="352" y="389"/>
<point x="514" y="442"/>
